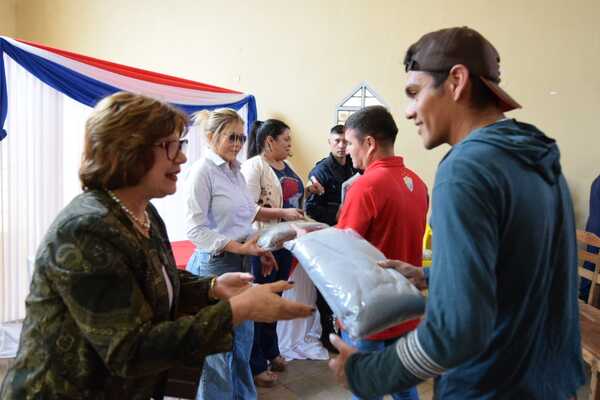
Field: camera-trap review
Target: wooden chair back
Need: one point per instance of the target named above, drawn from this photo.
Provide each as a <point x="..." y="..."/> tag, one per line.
<point x="586" y="239"/>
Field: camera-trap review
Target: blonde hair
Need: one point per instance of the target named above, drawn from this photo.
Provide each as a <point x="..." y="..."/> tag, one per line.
<point x="213" y="123"/>
<point x="119" y="135"/>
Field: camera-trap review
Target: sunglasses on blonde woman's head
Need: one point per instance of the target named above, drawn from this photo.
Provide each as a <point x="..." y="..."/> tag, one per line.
<point x="236" y="137"/>
<point x="173" y="147"/>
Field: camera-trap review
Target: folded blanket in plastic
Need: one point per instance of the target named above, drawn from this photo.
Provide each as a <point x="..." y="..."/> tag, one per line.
<point x="273" y="237"/>
<point x="364" y="296"/>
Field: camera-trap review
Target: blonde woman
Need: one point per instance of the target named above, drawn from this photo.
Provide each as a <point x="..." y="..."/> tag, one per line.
<point x="219" y="222"/>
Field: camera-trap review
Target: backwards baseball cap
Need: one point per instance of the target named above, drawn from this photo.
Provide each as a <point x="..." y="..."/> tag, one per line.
<point x="439" y="51"/>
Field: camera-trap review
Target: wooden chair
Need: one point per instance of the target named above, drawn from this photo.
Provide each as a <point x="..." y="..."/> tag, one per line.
<point x="588" y="314"/>
<point x="585" y="239"/>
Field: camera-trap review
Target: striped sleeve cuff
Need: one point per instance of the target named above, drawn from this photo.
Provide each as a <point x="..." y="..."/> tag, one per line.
<point x="415" y="359"/>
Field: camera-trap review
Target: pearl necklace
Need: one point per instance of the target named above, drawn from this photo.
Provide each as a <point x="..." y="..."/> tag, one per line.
<point x="145" y="225"/>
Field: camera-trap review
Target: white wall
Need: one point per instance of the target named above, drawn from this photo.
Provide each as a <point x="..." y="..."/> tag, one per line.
<point x="301" y="58"/>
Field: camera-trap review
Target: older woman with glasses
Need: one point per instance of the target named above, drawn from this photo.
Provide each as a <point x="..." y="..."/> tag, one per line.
<point x="219" y="222"/>
<point x="108" y="313"/>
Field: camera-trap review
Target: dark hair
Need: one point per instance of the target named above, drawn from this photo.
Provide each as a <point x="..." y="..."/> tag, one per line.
<point x="259" y="133"/>
<point x="119" y="138"/>
<point x="375" y="121"/>
<point x="337" y="130"/>
<point x="481" y="96"/>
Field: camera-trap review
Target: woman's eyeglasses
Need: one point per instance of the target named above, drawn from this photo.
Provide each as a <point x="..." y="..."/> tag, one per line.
<point x="237" y="137"/>
<point x="173" y="147"/>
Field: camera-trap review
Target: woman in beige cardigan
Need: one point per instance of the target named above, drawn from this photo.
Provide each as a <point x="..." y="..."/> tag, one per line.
<point x="278" y="192"/>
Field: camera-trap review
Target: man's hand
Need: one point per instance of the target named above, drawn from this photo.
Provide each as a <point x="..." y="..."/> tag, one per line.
<point x="315" y="187"/>
<point x="338" y="364"/>
<point x="415" y="275"/>
<point x="231" y="284"/>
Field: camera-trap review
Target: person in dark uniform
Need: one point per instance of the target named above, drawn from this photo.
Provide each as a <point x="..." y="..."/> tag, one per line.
<point x="330" y="172"/>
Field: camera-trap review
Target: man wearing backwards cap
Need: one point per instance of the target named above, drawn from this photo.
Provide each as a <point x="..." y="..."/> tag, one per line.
<point x="502" y="315"/>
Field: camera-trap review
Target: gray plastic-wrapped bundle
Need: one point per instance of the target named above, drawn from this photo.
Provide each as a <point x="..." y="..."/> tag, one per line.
<point x="273" y="237"/>
<point x="364" y="296"/>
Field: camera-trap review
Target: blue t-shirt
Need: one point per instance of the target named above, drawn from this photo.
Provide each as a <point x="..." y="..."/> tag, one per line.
<point x="292" y="188"/>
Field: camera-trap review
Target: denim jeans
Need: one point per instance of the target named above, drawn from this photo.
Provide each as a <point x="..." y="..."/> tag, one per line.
<point x="266" y="345"/>
<point x="226" y="376"/>
<point x="379" y="345"/>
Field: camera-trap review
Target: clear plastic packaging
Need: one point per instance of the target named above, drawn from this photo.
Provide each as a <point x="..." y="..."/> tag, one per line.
<point x="365" y="297"/>
<point x="273" y="237"/>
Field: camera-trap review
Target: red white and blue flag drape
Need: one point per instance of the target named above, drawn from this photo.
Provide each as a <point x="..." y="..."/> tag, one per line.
<point x="46" y="95"/>
<point x="87" y="80"/>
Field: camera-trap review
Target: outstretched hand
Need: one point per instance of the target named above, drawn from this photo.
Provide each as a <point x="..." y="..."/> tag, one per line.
<point x="262" y="303"/>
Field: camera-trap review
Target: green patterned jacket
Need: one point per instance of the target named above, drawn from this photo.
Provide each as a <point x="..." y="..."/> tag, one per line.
<point x="98" y="323"/>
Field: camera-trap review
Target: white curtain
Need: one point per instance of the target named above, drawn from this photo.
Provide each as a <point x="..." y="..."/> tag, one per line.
<point x="39" y="162"/>
<point x="31" y="158"/>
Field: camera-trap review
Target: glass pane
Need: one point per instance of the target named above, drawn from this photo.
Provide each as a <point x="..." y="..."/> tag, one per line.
<point x="342" y="116"/>
<point x="353" y="102"/>
<point x="368" y="93"/>
<point x="372" y="101"/>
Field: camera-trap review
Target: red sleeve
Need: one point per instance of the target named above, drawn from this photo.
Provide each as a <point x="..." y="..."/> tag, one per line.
<point x="358" y="210"/>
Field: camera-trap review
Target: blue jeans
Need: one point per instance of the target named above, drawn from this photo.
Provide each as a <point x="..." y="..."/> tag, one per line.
<point x="379" y="345"/>
<point x="226" y="376"/>
<point x="266" y="345"/>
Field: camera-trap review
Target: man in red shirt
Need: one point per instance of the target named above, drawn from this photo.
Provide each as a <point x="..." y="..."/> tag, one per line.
<point x="387" y="206"/>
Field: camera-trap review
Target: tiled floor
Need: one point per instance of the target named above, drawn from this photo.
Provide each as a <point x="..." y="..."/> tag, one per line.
<point x="312" y="380"/>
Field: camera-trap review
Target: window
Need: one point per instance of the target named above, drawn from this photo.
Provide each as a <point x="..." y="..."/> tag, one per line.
<point x="362" y="96"/>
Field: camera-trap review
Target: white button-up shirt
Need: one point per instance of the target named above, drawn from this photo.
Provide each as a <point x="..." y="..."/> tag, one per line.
<point x="219" y="207"/>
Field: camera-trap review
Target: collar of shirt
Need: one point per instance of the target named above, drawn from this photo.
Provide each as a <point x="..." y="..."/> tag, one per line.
<point x="218" y="160"/>
<point x="393" y="161"/>
<point x="334" y="163"/>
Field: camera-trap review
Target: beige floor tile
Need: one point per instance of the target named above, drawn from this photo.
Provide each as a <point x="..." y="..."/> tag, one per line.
<point x="312" y="380"/>
<point x="278" y="392"/>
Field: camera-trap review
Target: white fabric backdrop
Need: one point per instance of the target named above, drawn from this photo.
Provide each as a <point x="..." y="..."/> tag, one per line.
<point x="39" y="162"/>
<point x="299" y="339"/>
<point x="31" y="180"/>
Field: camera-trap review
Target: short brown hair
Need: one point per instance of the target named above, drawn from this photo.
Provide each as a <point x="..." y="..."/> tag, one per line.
<point x="375" y="121"/>
<point x="119" y="136"/>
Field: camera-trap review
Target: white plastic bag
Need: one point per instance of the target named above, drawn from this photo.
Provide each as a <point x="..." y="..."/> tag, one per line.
<point x="366" y="297"/>
<point x="273" y="237"/>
